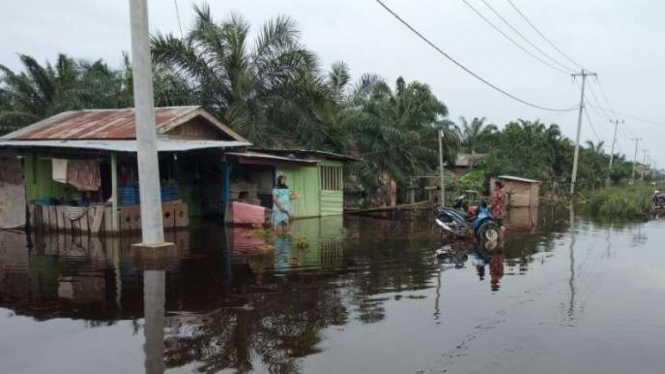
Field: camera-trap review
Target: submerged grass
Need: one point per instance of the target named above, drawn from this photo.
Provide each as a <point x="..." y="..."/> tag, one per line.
<point x="624" y="202"/>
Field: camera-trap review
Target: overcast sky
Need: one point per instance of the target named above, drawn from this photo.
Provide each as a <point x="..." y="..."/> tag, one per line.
<point x="621" y="40"/>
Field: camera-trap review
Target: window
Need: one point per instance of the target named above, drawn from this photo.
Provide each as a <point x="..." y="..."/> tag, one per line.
<point x="331" y="178"/>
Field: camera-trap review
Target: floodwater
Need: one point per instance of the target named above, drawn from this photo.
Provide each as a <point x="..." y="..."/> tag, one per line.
<point x="363" y="295"/>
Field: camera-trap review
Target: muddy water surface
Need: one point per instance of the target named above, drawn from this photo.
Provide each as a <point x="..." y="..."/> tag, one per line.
<point x="363" y="295"/>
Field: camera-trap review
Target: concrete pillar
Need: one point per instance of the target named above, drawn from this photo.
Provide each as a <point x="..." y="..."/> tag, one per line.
<point x="152" y="226"/>
<point x="154" y="300"/>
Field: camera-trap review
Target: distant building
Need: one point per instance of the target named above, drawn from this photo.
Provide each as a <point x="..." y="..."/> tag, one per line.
<point x="467" y="161"/>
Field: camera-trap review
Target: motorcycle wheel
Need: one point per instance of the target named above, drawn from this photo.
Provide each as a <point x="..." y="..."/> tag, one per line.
<point x="489" y="231"/>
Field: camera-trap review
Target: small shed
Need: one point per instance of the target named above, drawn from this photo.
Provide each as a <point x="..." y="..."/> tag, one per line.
<point x="522" y="192"/>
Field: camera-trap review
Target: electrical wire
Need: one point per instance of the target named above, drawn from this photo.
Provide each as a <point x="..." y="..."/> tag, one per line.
<point x="588" y="117"/>
<point x="633" y="117"/>
<point x="595" y="107"/>
<point x="602" y="91"/>
<point x="524" y="37"/>
<point x="542" y="34"/>
<point x="469" y="71"/>
<point x="177" y="13"/>
<point x="497" y="29"/>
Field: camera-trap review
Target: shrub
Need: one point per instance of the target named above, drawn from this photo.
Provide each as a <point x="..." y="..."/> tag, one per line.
<point x="625" y="202"/>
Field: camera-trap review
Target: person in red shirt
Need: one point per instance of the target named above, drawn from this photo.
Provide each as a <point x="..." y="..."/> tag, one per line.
<point x="498" y="203"/>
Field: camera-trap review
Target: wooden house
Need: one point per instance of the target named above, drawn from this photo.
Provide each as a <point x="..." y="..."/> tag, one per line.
<point x="79" y="169"/>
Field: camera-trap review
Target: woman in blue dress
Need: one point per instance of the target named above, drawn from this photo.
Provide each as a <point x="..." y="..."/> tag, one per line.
<point x="281" y="207"/>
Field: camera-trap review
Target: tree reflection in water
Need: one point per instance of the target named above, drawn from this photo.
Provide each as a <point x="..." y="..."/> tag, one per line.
<point x="216" y="309"/>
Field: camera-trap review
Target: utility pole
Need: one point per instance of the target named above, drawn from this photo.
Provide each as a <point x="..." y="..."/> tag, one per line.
<point x="152" y="225"/>
<point x="645" y="152"/>
<point x="637" y="142"/>
<point x="441" y="176"/>
<point x="616" y="123"/>
<point x="573" y="179"/>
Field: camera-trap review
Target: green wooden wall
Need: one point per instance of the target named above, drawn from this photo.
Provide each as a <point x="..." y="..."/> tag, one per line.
<point x="332" y="201"/>
<point x="303" y="181"/>
<point x="39" y="181"/>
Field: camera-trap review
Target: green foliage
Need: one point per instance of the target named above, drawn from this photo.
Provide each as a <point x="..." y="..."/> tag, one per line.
<point x="472" y="181"/>
<point x="533" y="150"/>
<point x="476" y="136"/>
<point x="625" y="202"/>
<point x="41" y="91"/>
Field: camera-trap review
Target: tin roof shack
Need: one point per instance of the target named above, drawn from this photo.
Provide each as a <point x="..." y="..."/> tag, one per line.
<point x="317" y="176"/>
<point x="464" y="162"/>
<point x="522" y="192"/>
<point x="78" y="164"/>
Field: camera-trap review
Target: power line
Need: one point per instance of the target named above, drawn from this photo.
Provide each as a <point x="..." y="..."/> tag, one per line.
<point x="177" y="13"/>
<point x="524" y="37"/>
<point x="542" y="35"/>
<point x="495" y="27"/>
<point x="602" y="91"/>
<point x="636" y="118"/>
<point x="588" y="118"/>
<point x="447" y="56"/>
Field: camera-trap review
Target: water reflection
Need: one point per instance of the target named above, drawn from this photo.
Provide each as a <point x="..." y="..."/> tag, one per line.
<point x="237" y="299"/>
<point x="154" y="301"/>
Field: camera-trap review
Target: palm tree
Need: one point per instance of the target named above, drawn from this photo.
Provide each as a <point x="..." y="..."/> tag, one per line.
<point x="44" y="90"/>
<point x="395" y="131"/>
<point x="596" y="148"/>
<point x="476" y="134"/>
<point x="245" y="84"/>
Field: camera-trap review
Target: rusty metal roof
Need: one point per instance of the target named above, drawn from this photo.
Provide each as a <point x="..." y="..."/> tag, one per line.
<point x="163" y="145"/>
<point x="110" y="124"/>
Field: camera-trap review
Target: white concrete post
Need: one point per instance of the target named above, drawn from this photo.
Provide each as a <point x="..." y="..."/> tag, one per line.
<point x="152" y="225"/>
<point x="154" y="300"/>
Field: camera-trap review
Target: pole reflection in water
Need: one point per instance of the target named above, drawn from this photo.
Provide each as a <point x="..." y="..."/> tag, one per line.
<point x="154" y="298"/>
<point x="571" y="282"/>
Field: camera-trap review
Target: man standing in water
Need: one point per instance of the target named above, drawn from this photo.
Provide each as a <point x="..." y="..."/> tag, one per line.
<point x="281" y="208"/>
<point x="498" y="204"/>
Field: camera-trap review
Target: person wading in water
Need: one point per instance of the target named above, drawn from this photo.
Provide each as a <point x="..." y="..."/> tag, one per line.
<point x="498" y="204"/>
<point x="281" y="207"/>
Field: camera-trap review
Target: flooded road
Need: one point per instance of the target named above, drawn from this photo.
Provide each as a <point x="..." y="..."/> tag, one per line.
<point x="363" y="295"/>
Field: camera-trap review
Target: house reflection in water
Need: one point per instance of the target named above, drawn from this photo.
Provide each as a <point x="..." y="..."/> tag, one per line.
<point x="227" y="301"/>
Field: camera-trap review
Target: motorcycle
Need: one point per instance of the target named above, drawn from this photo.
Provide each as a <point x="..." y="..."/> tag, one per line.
<point x="478" y="222"/>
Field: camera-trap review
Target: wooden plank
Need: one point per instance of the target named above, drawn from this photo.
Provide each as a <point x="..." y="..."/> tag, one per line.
<point x="66" y="221"/>
<point x="136" y="218"/>
<point x="45" y="218"/>
<point x="53" y="217"/>
<point x="388" y="208"/>
<point x="108" y="221"/>
<point x="97" y="220"/>
<point x="125" y="219"/>
<point x="31" y="216"/>
<point x="181" y="215"/>
<point x="96" y="249"/>
<point x="168" y="213"/>
<point x="60" y="218"/>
